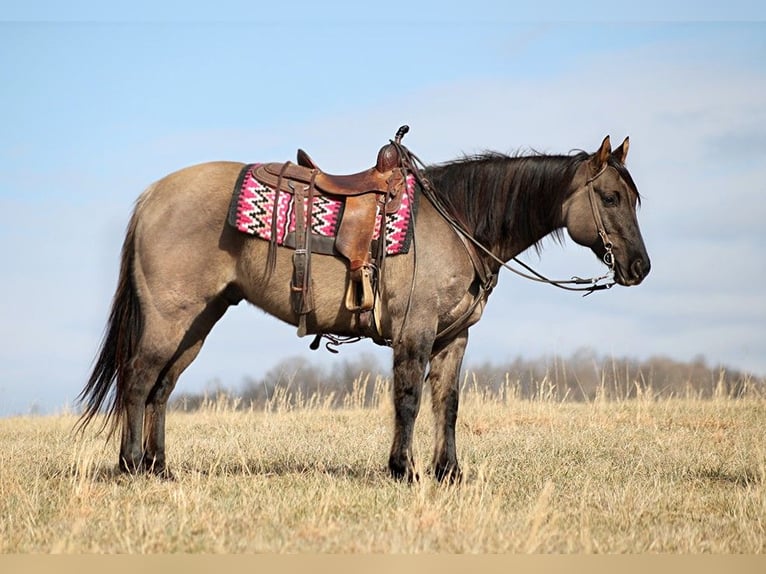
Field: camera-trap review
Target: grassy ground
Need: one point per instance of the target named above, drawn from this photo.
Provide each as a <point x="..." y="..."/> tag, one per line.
<point x="645" y="475"/>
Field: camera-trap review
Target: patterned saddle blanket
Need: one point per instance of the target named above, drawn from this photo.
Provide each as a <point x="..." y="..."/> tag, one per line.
<point x="253" y="204"/>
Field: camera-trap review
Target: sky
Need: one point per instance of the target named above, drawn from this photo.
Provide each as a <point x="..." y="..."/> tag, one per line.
<point x="98" y="100"/>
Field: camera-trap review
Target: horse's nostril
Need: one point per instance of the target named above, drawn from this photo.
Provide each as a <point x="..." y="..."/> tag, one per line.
<point x="639" y="269"/>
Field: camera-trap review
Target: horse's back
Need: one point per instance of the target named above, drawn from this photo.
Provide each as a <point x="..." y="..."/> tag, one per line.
<point x="202" y="181"/>
<point x="187" y="202"/>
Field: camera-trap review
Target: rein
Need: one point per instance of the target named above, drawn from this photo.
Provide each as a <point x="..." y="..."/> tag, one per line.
<point x="410" y="163"/>
<point x="487" y="279"/>
<point x="594" y="283"/>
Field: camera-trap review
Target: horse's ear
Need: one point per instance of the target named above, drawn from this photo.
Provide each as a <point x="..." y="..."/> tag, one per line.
<point x="622" y="152"/>
<point x="602" y="155"/>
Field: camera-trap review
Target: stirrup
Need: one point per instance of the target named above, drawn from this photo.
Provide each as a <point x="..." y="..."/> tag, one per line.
<point x="367" y="296"/>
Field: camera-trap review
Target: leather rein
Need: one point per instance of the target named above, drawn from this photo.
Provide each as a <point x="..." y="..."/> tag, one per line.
<point x="602" y="282"/>
<point x="410" y="163"/>
<point x="605" y="281"/>
<point x="488" y="279"/>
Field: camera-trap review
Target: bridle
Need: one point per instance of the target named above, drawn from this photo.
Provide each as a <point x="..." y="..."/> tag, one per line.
<point x="608" y="258"/>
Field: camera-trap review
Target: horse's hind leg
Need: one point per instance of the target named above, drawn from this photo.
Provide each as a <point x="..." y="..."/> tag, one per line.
<point x="166" y="348"/>
<point x="444" y="380"/>
<point x="148" y="366"/>
<point x="144" y="370"/>
<point x="157" y="399"/>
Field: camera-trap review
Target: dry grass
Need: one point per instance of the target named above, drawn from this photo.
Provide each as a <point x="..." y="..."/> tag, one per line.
<point x="645" y="475"/>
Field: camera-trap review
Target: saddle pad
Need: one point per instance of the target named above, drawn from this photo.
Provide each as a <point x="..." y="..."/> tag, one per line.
<point x="252" y="208"/>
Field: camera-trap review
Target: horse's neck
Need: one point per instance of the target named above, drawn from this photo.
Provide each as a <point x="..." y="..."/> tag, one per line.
<point x="509" y="249"/>
<point x="508" y="204"/>
<point x="534" y="206"/>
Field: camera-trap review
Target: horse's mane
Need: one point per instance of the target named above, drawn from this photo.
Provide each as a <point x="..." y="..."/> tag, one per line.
<point x="499" y="196"/>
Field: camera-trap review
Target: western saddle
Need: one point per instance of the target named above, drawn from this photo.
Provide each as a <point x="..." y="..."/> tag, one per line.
<point x="367" y="195"/>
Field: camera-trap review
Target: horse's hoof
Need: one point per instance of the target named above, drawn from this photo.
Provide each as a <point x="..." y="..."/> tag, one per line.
<point x="158" y="469"/>
<point x="403" y="472"/>
<point x="165" y="474"/>
<point x="449" y="474"/>
<point x="131" y="467"/>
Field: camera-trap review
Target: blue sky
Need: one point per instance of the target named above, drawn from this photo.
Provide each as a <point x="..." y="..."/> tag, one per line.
<point x="97" y="102"/>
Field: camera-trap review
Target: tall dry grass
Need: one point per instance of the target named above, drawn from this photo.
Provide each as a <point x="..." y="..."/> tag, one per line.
<point x="647" y="474"/>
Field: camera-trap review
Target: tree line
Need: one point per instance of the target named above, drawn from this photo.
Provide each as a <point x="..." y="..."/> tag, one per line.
<point x="583" y="376"/>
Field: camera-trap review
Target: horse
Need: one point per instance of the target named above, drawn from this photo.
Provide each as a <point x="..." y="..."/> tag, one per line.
<point x="182" y="267"/>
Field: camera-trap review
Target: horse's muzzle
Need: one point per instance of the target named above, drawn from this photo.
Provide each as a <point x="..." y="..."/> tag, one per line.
<point x="637" y="271"/>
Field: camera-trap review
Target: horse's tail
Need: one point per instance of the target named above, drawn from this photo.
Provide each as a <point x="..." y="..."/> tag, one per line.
<point x="106" y="385"/>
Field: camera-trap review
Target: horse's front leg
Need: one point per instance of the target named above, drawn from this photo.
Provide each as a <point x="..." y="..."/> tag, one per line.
<point x="443" y="377"/>
<point x="410" y="359"/>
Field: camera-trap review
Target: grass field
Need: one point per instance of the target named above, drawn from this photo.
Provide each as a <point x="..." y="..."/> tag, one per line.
<point x="642" y="475"/>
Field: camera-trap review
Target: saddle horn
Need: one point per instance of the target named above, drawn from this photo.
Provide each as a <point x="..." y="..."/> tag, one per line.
<point x="389" y="156"/>
<point x="401" y="132"/>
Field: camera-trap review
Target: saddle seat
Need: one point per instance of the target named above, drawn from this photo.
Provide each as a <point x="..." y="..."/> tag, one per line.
<point x="375" y="179"/>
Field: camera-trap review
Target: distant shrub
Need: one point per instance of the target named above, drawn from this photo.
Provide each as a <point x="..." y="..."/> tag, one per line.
<point x="584" y="376"/>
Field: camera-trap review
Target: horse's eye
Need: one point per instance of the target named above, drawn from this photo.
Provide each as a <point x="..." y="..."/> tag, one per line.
<point x="609" y="199"/>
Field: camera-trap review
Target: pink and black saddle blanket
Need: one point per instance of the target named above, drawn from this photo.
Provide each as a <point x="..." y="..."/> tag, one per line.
<point x="253" y="204"/>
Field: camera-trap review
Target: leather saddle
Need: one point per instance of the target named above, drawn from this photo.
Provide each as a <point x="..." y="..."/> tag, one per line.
<point x="367" y="195"/>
